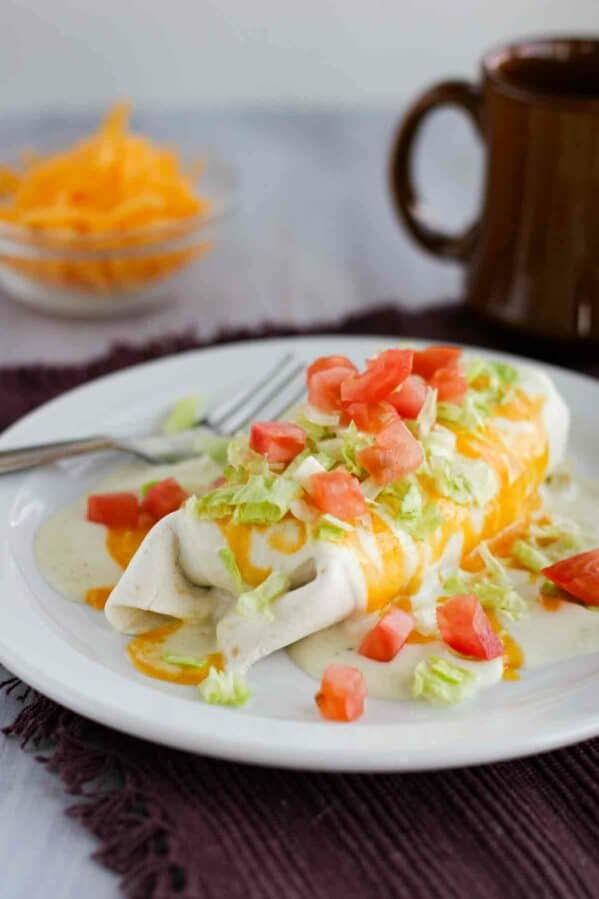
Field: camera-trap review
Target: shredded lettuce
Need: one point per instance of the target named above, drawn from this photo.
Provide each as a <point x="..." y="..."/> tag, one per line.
<point x="529" y="556"/>
<point x="422" y="526"/>
<point x="548" y="588"/>
<point x="293" y="466"/>
<point x="332" y="529"/>
<point x="315" y="430"/>
<point x="493" y="595"/>
<point x="440" y="443"/>
<point x="264" y="500"/>
<point x="353" y="442"/>
<point x="234" y="476"/>
<point x="496" y="568"/>
<point x="309" y="466"/>
<point x="441" y="682"/>
<point x="428" y="414"/>
<point x="489" y="384"/>
<point x="332" y="447"/>
<point x="261" y="500"/>
<point x="241" y="456"/>
<point x="325" y="460"/>
<point x="409" y="509"/>
<point x="184" y="415"/>
<point x="403" y="497"/>
<point x="371" y="489"/>
<point x="259" y="600"/>
<point x="547" y="543"/>
<point x="224" y="688"/>
<point x="184" y="661"/>
<point x="411" y="502"/>
<point x="471" y="414"/>
<point x="319" y="416"/>
<point x="496" y="375"/>
<point x="464" y="480"/>
<point x="216" y="503"/>
<point x="492" y="586"/>
<point x="227" y="557"/>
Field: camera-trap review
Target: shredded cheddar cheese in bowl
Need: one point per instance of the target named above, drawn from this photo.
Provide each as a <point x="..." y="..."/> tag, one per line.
<point x="109" y="218"/>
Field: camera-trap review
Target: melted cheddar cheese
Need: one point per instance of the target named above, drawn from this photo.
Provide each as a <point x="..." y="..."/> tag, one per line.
<point x="147" y="651"/>
<point x="520" y="470"/>
<point x="519" y="467"/>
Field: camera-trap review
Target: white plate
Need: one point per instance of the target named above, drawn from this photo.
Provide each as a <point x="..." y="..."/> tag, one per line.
<point x="68" y="652"/>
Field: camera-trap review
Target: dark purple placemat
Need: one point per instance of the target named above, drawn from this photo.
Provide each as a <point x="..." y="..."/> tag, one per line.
<point x="176" y="825"/>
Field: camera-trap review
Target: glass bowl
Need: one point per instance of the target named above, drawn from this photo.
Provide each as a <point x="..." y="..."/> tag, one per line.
<point x="115" y="273"/>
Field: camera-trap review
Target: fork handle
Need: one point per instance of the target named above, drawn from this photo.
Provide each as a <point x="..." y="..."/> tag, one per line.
<point x="30" y="456"/>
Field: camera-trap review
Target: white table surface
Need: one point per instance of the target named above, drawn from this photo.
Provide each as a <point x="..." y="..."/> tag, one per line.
<point x="315" y="238"/>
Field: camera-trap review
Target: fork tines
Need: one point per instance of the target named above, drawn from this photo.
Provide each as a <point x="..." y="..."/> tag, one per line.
<point x="272" y="394"/>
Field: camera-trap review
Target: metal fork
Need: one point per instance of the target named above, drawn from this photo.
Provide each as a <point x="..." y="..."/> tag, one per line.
<point x="274" y="392"/>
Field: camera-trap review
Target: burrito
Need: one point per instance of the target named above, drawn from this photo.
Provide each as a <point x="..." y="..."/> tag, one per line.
<point x="375" y="488"/>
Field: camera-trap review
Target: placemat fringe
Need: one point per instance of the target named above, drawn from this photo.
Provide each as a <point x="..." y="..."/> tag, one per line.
<point x="116" y="805"/>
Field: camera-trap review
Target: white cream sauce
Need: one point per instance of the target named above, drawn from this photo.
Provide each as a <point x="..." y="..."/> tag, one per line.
<point x="545" y="637"/>
<point x="71" y="551"/>
<point x="385" y="680"/>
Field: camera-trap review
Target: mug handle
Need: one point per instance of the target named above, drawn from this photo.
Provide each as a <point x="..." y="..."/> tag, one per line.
<point x="448" y="93"/>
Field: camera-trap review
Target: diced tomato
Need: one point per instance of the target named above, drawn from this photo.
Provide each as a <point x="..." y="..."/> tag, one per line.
<point x="324" y="388"/>
<point x="409" y="399"/>
<point x="578" y="576"/>
<point x="396" y="435"/>
<point x="369" y="417"/>
<point x="465" y="627"/>
<point x="145" y="522"/>
<point x="387" y="637"/>
<point x="115" y="510"/>
<point x="324" y="362"/>
<point x="342" y="693"/>
<point x="428" y="361"/>
<point x="338" y="493"/>
<point x="395" y="453"/>
<point x="163" y="498"/>
<point x="383" y="374"/>
<point x="279" y="441"/>
<point x="451" y="385"/>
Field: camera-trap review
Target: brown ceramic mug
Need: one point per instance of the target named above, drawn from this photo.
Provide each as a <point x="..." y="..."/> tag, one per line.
<point x="532" y="259"/>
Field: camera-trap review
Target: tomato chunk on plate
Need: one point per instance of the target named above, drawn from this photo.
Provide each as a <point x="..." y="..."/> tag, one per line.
<point x="163" y="498"/>
<point x="386" y="638"/>
<point x="279" y="441"/>
<point x="409" y="399"/>
<point x="324" y="388"/>
<point x="465" y="627"/>
<point x="369" y="417"/>
<point x="324" y="362"/>
<point x="428" y="361"/>
<point x="451" y="385"/>
<point x="395" y="453"/>
<point x="578" y="576"/>
<point x="342" y="693"/>
<point x="383" y="374"/>
<point x="338" y="493"/>
<point x="115" y="510"/>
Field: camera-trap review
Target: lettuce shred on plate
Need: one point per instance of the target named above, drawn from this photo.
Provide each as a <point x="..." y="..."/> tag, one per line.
<point x="224" y="688"/>
<point x="441" y="682"/>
